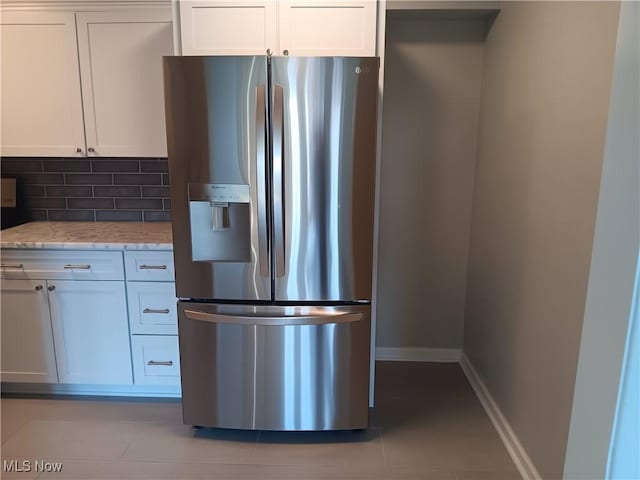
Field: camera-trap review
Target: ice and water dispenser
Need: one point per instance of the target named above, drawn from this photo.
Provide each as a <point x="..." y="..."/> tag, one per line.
<point x="220" y="217"/>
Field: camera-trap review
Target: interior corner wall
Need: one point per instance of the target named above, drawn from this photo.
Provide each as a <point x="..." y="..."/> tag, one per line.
<point x="433" y="69"/>
<point x="543" y="117"/>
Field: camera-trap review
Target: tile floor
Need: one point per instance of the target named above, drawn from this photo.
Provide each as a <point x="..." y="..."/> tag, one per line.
<point x="427" y="424"/>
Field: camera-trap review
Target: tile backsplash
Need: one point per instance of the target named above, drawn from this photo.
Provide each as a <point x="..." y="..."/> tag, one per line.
<point x="93" y="189"/>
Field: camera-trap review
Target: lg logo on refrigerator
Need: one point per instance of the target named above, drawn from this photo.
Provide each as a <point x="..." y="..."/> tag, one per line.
<point x="360" y="70"/>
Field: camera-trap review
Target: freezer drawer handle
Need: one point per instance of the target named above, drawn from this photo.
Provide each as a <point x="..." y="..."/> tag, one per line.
<point x="154" y="363"/>
<point x="77" y="267"/>
<point x="317" y="319"/>
<point x="6" y="265"/>
<point x="152" y="267"/>
<point x="155" y="310"/>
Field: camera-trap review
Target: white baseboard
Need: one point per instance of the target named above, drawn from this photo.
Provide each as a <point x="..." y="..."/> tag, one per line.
<point x="518" y="454"/>
<point x="417" y="354"/>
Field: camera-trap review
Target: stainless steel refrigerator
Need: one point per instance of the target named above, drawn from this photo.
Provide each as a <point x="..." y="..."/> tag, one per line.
<point x="272" y="167"/>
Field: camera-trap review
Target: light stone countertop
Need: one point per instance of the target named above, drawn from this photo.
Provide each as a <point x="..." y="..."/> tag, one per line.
<point x="89" y="235"/>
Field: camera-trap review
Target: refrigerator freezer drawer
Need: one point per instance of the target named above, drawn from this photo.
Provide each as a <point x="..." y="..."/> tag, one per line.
<point x="274" y="367"/>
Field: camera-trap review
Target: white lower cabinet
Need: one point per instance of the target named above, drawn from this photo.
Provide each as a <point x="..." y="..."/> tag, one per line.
<point x="94" y="322"/>
<point x="156" y="359"/>
<point x="90" y="331"/>
<point x="27" y="342"/>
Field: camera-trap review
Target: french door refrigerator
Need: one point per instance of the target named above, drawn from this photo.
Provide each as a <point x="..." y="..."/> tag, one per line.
<point x="272" y="167"/>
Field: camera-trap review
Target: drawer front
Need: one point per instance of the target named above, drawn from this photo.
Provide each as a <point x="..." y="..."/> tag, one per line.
<point x="149" y="266"/>
<point x="61" y="265"/>
<point x="152" y="308"/>
<point x="156" y="359"/>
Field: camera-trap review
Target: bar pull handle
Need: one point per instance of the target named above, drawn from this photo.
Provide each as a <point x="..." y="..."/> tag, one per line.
<point x="77" y="267"/>
<point x="156" y="310"/>
<point x="164" y="363"/>
<point x="261" y="174"/>
<point x="311" y="319"/>
<point x="152" y="267"/>
<point x="278" y="179"/>
<point x="11" y="265"/>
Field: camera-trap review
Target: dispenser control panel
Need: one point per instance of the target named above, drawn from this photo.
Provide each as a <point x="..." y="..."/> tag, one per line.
<point x="220" y="192"/>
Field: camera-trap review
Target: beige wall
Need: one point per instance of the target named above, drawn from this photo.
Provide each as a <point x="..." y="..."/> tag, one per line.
<point x="545" y="100"/>
<point x="433" y="70"/>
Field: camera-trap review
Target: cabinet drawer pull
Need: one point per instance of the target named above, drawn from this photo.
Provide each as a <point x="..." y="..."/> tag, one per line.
<point x="156" y="310"/>
<point x="9" y="265"/>
<point x="167" y="363"/>
<point x="152" y="267"/>
<point x="78" y="267"/>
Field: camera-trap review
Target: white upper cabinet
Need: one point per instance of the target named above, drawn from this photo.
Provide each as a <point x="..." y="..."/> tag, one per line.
<point x="327" y="28"/>
<point x="287" y="27"/>
<point x="231" y="27"/>
<point x="84" y="84"/>
<point x="121" y="70"/>
<point x="40" y="85"/>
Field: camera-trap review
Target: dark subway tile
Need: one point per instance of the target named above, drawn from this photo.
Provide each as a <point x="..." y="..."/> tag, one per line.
<point x="118" y="216"/>
<point x="119" y="191"/>
<point x="139" y="203"/>
<point x="71" y="215"/>
<point x="166" y="203"/>
<point x="38" y="215"/>
<point x="115" y="165"/>
<point x="154" y="216"/>
<point x="93" y="203"/>
<point x="159" y="165"/>
<point x="33" y="190"/>
<point x="69" y="191"/>
<point x="41" y="202"/>
<point x="155" y="191"/>
<point x="88" y="179"/>
<point x="165" y="179"/>
<point x="42" y="178"/>
<point x="67" y="165"/>
<point x="137" y="179"/>
<point x="20" y="165"/>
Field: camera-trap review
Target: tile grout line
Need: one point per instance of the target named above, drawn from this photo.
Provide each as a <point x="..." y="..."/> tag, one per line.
<point x="384" y="452"/>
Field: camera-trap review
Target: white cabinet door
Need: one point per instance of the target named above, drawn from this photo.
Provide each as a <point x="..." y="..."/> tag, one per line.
<point x="231" y="27"/>
<point x="40" y="85"/>
<point x="90" y="330"/>
<point x="327" y="27"/>
<point x="27" y="342"/>
<point x="122" y="85"/>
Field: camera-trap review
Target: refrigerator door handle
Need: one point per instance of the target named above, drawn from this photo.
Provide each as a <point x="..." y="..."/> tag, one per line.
<point x="261" y="173"/>
<point x="312" y="319"/>
<point x="278" y="178"/>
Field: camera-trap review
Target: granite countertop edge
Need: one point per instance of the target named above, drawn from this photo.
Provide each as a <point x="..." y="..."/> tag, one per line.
<point x="88" y="236"/>
<point x="86" y="245"/>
